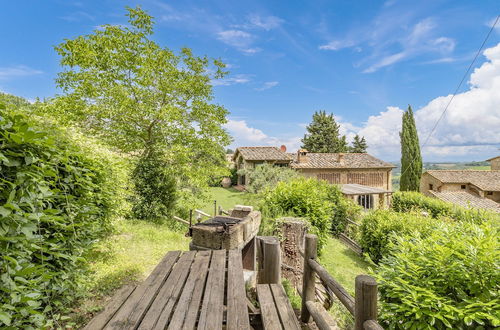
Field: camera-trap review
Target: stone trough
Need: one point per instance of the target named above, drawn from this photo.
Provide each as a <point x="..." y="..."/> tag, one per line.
<point x="236" y="231"/>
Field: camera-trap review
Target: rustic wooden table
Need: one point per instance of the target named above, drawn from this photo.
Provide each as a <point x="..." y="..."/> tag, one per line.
<point x="187" y="290"/>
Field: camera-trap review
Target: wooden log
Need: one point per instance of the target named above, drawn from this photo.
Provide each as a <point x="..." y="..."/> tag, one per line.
<point x="352" y="244"/>
<point x="270" y="262"/>
<point x="181" y="220"/>
<point x="352" y="222"/>
<point x="365" y="300"/>
<point x="202" y="213"/>
<point x="308" y="280"/>
<point x="320" y="316"/>
<point x="344" y="297"/>
<point x="372" y="325"/>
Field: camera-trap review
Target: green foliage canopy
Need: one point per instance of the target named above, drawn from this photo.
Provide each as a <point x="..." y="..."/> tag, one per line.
<point x="411" y="159"/>
<point x="323" y="135"/>
<point x="139" y="97"/>
<point x="319" y="202"/>
<point x="55" y="202"/>
<point x="359" y="144"/>
<point x="407" y="201"/>
<point x="446" y="280"/>
<point x="266" y="175"/>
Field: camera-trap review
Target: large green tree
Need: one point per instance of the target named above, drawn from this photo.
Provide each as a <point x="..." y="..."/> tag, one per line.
<point x="359" y="144"/>
<point x="411" y="159"/>
<point x="323" y="135"/>
<point x="142" y="98"/>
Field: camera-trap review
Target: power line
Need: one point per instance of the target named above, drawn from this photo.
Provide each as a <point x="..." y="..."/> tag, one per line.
<point x="458" y="87"/>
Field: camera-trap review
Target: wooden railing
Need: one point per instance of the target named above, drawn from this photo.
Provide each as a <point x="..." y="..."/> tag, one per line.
<point x="363" y="306"/>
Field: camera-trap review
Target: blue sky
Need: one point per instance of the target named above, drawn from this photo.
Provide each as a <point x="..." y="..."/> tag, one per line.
<point x="364" y="61"/>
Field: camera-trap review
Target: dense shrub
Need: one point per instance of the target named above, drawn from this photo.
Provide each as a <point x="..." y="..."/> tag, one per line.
<point x="449" y="279"/>
<point x="379" y="230"/>
<point x="406" y="201"/>
<point x="155" y="189"/>
<point x="55" y="202"/>
<point x="267" y="175"/>
<point x="317" y="201"/>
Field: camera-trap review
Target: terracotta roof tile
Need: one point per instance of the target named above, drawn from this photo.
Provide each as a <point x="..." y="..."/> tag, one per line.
<point x="485" y="180"/>
<point x="465" y="199"/>
<point x="262" y="153"/>
<point x="349" y="160"/>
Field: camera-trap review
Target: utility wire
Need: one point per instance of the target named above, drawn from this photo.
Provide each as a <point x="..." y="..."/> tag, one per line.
<point x="458" y="88"/>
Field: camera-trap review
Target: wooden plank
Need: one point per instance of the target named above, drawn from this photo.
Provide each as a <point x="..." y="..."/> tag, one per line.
<point x="237" y="311"/>
<point x="133" y="310"/>
<point x="320" y="316"/>
<point x="212" y="309"/>
<point x="344" y="297"/>
<point x="285" y="310"/>
<point x="270" y="318"/>
<point x="101" y="319"/>
<point x="188" y="306"/>
<point x="161" y="309"/>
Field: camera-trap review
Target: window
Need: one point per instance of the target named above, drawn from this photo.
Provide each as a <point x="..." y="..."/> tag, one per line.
<point x="489" y="193"/>
<point x="366" y="201"/>
<point x="431" y="186"/>
<point x="462" y="186"/>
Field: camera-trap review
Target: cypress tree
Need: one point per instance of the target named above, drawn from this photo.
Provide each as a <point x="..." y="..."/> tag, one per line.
<point x="359" y="144"/>
<point x="323" y="135"/>
<point x="411" y="159"/>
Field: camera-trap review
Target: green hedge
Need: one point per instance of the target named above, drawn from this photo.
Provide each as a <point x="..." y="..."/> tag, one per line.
<point x="319" y="202"/>
<point x="55" y="201"/>
<point x="379" y="229"/>
<point x="406" y="201"/>
<point x="448" y="279"/>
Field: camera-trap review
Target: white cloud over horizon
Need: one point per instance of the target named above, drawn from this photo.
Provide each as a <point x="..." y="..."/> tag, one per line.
<point x="245" y="135"/>
<point x="470" y="128"/>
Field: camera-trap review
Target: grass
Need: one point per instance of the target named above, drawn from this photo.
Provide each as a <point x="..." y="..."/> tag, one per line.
<point x="344" y="265"/>
<point x="227" y="198"/>
<point x="128" y="256"/>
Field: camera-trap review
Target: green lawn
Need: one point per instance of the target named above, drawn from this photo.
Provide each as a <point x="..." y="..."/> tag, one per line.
<point x="127" y="256"/>
<point x="344" y="265"/>
<point x="225" y="197"/>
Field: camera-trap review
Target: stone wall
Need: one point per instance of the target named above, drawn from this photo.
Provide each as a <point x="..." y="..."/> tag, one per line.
<point x="378" y="178"/>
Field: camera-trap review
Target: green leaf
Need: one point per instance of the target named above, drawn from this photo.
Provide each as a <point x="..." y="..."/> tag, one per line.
<point x="5" y="318"/>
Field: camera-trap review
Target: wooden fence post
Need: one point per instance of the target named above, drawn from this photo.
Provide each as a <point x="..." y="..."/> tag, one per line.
<point x="365" y="300"/>
<point x="270" y="267"/>
<point x="309" y="279"/>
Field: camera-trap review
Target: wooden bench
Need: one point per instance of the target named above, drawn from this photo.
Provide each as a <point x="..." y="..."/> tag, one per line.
<point x="276" y="310"/>
<point x="186" y="290"/>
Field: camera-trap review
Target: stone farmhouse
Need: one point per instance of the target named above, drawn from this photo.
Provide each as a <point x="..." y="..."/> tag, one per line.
<point x="466" y="188"/>
<point x="361" y="177"/>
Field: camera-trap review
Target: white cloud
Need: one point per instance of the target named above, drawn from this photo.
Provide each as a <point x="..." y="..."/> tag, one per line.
<point x="17" y="71"/>
<point x="239" y="39"/>
<point x="265" y="22"/>
<point x="267" y="85"/>
<point x="245" y="135"/>
<point x="389" y="42"/>
<point x="337" y="45"/>
<point x="232" y="80"/>
<point x="235" y="38"/>
<point x="471" y="125"/>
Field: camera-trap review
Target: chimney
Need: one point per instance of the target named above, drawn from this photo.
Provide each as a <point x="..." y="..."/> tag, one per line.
<point x="283" y="148"/>
<point x="302" y="156"/>
<point x="341" y="159"/>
